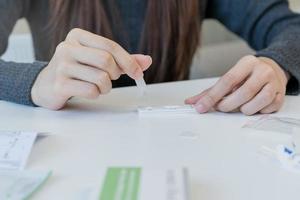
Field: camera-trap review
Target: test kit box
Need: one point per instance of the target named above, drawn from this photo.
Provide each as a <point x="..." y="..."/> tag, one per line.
<point x="134" y="183"/>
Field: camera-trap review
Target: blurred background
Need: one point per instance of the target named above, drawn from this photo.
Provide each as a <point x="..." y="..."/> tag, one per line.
<point x="219" y="51"/>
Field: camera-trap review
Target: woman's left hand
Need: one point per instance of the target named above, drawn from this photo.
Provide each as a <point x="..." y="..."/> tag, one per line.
<point x="253" y="85"/>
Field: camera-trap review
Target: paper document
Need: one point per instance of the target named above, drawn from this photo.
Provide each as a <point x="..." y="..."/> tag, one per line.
<point x="19" y="185"/>
<point x="15" y="148"/>
<point x="144" y="184"/>
<point x="274" y="124"/>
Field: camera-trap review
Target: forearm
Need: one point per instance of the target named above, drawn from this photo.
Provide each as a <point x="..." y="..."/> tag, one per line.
<point x="269" y="27"/>
<point x="285" y="50"/>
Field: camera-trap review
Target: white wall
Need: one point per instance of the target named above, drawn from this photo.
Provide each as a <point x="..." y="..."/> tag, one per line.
<point x="295" y="4"/>
<point x="21" y="27"/>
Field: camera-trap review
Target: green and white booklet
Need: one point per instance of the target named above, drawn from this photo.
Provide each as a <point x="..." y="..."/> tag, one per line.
<point x="134" y="183"/>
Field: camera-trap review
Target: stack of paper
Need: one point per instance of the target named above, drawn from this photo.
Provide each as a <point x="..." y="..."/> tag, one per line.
<point x="15" y="148"/>
<point x="15" y="183"/>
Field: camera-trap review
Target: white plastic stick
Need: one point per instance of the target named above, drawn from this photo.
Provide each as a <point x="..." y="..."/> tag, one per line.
<point x="296" y="140"/>
<point x="169" y="110"/>
<point x="141" y="84"/>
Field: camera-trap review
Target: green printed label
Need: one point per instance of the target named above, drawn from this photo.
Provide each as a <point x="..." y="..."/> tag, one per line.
<point x="121" y="184"/>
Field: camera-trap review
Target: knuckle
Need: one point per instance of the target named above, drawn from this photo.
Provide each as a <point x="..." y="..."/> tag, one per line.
<point x="104" y="76"/>
<point x="99" y="84"/>
<point x="223" y="107"/>
<point x="106" y="89"/>
<point x="61" y="47"/>
<point x="229" y="80"/>
<point x="268" y="73"/>
<point x="92" y="92"/>
<point x="111" y="45"/>
<point x="73" y="32"/>
<point x="105" y="84"/>
<point x="133" y="66"/>
<point x="116" y="75"/>
<point x="210" y="99"/>
<point x="62" y="68"/>
<point x="103" y="81"/>
<point x="107" y="59"/>
<point x="114" y="45"/>
<point x="98" y="78"/>
<point x="249" y="91"/>
<point x="279" y="102"/>
<point x="250" y="59"/>
<point x="63" y="50"/>
<point x="269" y="93"/>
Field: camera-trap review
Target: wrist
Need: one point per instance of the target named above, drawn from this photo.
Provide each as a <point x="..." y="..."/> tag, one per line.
<point x="285" y="75"/>
<point x="34" y="93"/>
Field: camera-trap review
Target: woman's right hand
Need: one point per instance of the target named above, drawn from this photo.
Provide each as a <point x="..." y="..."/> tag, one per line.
<point x="83" y="66"/>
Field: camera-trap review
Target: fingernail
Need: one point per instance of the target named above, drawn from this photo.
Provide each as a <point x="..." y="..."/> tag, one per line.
<point x="187" y="101"/>
<point x="200" y="108"/>
<point x="148" y="57"/>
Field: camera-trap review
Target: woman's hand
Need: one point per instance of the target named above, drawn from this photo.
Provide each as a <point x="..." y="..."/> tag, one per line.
<point x="253" y="85"/>
<point x="83" y="66"/>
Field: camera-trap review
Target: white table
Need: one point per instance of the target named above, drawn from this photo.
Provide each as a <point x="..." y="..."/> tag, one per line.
<point x="223" y="159"/>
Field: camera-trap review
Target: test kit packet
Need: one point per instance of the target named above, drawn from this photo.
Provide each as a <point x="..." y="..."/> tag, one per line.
<point x="138" y="183"/>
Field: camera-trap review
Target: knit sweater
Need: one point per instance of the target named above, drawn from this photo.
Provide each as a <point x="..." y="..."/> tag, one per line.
<point x="269" y="27"/>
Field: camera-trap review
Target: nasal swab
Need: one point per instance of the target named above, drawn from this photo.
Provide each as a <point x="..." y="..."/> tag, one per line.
<point x="296" y="140"/>
<point x="142" y="86"/>
<point x="167" y="110"/>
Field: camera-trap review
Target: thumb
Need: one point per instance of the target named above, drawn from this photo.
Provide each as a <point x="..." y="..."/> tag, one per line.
<point x="144" y="61"/>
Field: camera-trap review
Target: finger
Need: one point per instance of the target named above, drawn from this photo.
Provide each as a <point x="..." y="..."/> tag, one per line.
<point x="97" y="58"/>
<point x="261" y="100"/>
<point x="275" y="105"/>
<point x="92" y="75"/>
<point x="226" y="84"/>
<point x="143" y="60"/>
<point x="121" y="56"/>
<point x="243" y="94"/>
<point x="194" y="99"/>
<point x="77" y="88"/>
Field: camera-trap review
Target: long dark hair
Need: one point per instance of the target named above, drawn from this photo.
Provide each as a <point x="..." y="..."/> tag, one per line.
<point x="171" y="32"/>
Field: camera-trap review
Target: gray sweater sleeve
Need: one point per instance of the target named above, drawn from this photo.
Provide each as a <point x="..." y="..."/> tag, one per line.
<point x="269" y="26"/>
<point x="16" y="79"/>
